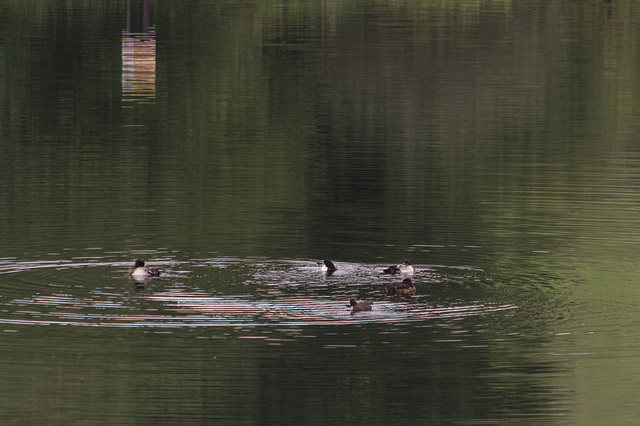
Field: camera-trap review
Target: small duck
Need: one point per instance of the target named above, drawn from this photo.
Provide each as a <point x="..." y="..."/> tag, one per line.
<point x="359" y="306"/>
<point x="140" y="271"/>
<point x="328" y="266"/>
<point x="405" y="288"/>
<point x="404" y="268"/>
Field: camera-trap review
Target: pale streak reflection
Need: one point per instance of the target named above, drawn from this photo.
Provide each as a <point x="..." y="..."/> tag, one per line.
<point x="139" y="59"/>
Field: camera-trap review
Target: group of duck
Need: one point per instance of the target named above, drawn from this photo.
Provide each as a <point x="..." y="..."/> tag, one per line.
<point x="404" y="288"/>
<point x="139" y="271"/>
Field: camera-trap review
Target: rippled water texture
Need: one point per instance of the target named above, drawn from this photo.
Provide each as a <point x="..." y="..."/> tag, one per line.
<point x="234" y="143"/>
<point x="218" y="292"/>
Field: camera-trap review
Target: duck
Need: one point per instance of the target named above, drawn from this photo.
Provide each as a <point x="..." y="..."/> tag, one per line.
<point x="139" y="270"/>
<point x="328" y="266"/>
<point x="404" y="268"/>
<point x="359" y="306"/>
<point x="405" y="288"/>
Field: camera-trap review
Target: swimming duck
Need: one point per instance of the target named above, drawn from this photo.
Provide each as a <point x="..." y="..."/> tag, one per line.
<point x="404" y="268"/>
<point x="140" y="271"/>
<point x="328" y="266"/>
<point x="359" y="306"/>
<point x="405" y="288"/>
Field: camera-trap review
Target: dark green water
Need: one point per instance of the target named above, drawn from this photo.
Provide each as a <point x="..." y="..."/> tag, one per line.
<point x="234" y="143"/>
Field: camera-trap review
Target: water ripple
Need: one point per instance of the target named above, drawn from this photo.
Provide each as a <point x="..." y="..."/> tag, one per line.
<point x="216" y="293"/>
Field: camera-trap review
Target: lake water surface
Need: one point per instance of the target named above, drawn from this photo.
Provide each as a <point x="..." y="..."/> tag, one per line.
<point x="235" y="144"/>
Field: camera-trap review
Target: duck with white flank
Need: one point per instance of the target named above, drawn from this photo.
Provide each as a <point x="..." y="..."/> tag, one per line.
<point x="403" y="268"/>
<point x="328" y="267"/>
<point x="140" y="271"/>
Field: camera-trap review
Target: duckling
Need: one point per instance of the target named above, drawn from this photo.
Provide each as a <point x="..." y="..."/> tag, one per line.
<point x="403" y="268"/>
<point x="139" y="271"/>
<point x="359" y="306"/>
<point x="328" y="266"/>
<point x="405" y="288"/>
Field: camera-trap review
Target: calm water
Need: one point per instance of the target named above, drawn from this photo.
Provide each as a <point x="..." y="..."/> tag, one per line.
<point x="234" y="144"/>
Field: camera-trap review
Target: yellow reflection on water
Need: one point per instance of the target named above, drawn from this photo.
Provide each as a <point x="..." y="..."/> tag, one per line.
<point x="139" y="59"/>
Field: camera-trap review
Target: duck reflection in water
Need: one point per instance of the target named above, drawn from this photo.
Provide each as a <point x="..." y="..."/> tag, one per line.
<point x="404" y="268"/>
<point x="140" y="283"/>
<point x="405" y="288"/>
<point x="328" y="267"/>
<point x="359" y="306"/>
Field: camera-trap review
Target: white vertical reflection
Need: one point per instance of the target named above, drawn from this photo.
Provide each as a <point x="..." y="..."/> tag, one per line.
<point x="139" y="58"/>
